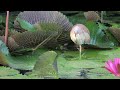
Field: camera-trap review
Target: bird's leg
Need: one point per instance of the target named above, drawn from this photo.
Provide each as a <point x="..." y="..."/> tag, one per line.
<point x="80" y="51"/>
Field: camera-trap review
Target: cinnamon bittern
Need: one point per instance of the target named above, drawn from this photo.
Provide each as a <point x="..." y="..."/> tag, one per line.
<point x="80" y="35"/>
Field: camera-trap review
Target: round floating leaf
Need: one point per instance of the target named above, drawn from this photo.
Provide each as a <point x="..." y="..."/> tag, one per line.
<point x="71" y="68"/>
<point x="10" y="73"/>
<point x="26" y="25"/>
<point x="25" y="61"/>
<point x="46" y="66"/>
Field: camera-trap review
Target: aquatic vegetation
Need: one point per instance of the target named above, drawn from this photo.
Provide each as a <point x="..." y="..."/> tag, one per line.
<point x="115" y="32"/>
<point x="80" y="35"/>
<point x="36" y="33"/>
<point x="92" y="16"/>
<point x="100" y="37"/>
<point x="31" y="39"/>
<point x="113" y="66"/>
<point x="47" y="62"/>
<point x="4" y="54"/>
<point x="11" y="44"/>
<point x="46" y="66"/>
<point x="44" y="22"/>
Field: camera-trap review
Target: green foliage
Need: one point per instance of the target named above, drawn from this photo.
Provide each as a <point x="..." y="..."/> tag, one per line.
<point x="23" y="62"/>
<point x="10" y="73"/>
<point x="71" y="69"/>
<point x="3" y="48"/>
<point x="99" y="37"/>
<point x="68" y="63"/>
<point x="100" y="73"/>
<point x="25" y="25"/>
<point x="48" y="26"/>
<point x="93" y="62"/>
<point x="7" y="71"/>
<point x="1" y="19"/>
<point x="115" y="25"/>
<point x="75" y="19"/>
<point x="26" y="61"/>
<point x="4" y="54"/>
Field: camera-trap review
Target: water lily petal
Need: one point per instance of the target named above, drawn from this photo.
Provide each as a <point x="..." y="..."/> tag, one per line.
<point x="119" y="60"/>
<point x="118" y="67"/>
<point x="112" y="67"/>
<point x="110" y="70"/>
<point x="107" y="66"/>
<point x="117" y="64"/>
<point x="116" y="61"/>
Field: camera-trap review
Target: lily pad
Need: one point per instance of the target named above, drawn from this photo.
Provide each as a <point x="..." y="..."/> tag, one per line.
<point x="101" y="73"/>
<point x="71" y="69"/>
<point x="10" y="73"/>
<point x="25" y="25"/>
<point x="46" y="66"/>
<point x="23" y="62"/>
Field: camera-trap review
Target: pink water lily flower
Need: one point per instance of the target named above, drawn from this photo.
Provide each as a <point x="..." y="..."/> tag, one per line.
<point x="113" y="66"/>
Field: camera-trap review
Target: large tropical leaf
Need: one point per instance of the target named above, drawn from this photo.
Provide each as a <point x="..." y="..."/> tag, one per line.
<point x="100" y="38"/>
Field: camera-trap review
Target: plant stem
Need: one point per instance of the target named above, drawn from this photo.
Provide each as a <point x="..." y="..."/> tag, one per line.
<point x="6" y="28"/>
<point x="102" y="13"/>
<point x="43" y="42"/>
<point x="80" y="51"/>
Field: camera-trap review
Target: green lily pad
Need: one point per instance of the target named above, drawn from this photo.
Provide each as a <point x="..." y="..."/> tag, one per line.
<point x="25" y="25"/>
<point x="23" y="62"/>
<point x="46" y="66"/>
<point x="115" y="25"/>
<point x="93" y="62"/>
<point x="10" y="73"/>
<point x="71" y="69"/>
<point x="6" y="71"/>
<point x="101" y="73"/>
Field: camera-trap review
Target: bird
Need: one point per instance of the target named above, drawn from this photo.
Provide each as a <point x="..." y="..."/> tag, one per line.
<point x="80" y="34"/>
